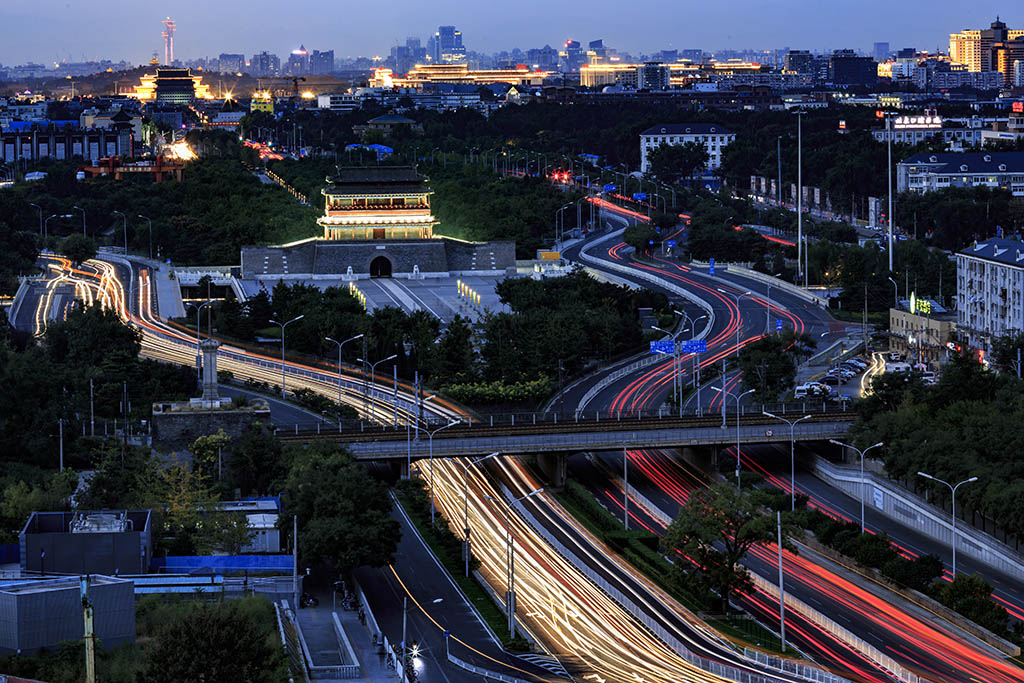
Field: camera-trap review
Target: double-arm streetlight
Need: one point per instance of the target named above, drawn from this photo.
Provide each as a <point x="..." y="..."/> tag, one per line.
<point x="696" y="363"/>
<point x="738" y="398"/>
<point x="510" y="562"/>
<point x="861" y="453"/>
<point x="952" y="488"/>
<point x="145" y="218"/>
<point x="560" y="221"/>
<point x="341" y="344"/>
<point x="46" y="223"/>
<point x="430" y="461"/>
<point x="465" y="505"/>
<point x="792" y="453"/>
<point x="373" y="376"/>
<point x="199" y="354"/>
<point x="283" y="366"/>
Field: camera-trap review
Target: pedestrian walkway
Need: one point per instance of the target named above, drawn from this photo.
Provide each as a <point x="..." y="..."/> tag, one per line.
<point x="324" y="649"/>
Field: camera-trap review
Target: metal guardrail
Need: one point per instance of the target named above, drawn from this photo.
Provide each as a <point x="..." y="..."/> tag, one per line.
<point x="776" y="283"/>
<point x="882" y="660"/>
<point x="486" y="673"/>
<point x="727" y="671"/>
<point x="290" y="640"/>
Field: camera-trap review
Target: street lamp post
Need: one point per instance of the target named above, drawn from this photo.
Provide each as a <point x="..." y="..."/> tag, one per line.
<point x="78" y="208"/>
<point x="696" y="363"/>
<point x="465" y="505"/>
<point x="341" y="344"/>
<point x="953" y="489"/>
<point x="373" y="371"/>
<point x="510" y="563"/>
<point x="792" y="453"/>
<point x="40" y="210"/>
<point x="560" y="220"/>
<point x="861" y="453"/>
<point x="430" y="435"/>
<point x="283" y="366"/>
<point x="124" y="225"/>
<point x="895" y="293"/>
<point x="145" y="218"/>
<point x="199" y="355"/>
<point x="799" y="194"/>
<point x="738" y="397"/>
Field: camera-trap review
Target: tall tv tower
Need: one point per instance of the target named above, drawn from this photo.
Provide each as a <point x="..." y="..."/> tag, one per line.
<point x="168" y="36"/>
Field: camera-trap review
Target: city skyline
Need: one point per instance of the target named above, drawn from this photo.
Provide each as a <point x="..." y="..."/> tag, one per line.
<point x="50" y="31"/>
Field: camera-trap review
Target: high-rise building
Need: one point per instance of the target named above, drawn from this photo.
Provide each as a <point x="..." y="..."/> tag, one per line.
<point x="572" y="58"/>
<point x="447" y="46"/>
<point x="979" y="49"/>
<point x="298" y="62"/>
<point x="265" y="64"/>
<point x="168" y="36"/>
<point x="321" y="63"/>
<point x="799" y="61"/>
<point x="846" y="67"/>
<point x="881" y="52"/>
<point x="545" y="58"/>
<point x="231" y="63"/>
<point x="652" y="76"/>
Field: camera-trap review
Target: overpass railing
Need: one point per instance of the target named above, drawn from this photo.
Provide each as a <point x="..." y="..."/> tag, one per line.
<point x="836" y="409"/>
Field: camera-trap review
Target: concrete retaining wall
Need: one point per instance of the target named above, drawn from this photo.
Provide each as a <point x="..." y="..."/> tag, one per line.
<point x="911" y="511"/>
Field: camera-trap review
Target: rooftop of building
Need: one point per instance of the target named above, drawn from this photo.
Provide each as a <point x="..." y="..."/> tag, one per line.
<point x="45" y="584"/>
<point x="370" y="180"/>
<point x="391" y="118"/>
<point x="101" y="521"/>
<point x="687" y="129"/>
<point x="969" y="162"/>
<point x="1001" y="250"/>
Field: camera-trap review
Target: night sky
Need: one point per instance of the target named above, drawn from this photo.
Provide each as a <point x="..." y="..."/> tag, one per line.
<point x="45" y="31"/>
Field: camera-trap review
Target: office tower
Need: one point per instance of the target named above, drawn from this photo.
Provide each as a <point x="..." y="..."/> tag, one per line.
<point x="846" y="67"/>
<point x="265" y="64"/>
<point x="978" y="48"/>
<point x="321" y="63"/>
<point x="881" y="52"/>
<point x="652" y="76"/>
<point x="572" y="57"/>
<point x="799" y="61"/>
<point x="447" y="45"/>
<point x="298" y="62"/>
<point x="545" y="58"/>
<point x="231" y="63"/>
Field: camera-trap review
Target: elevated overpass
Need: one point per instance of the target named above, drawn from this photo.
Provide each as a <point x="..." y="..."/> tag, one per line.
<point x="560" y="438"/>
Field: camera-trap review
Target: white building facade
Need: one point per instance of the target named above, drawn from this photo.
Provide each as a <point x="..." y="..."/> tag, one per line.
<point x="990" y="292"/>
<point x="926" y="172"/>
<point x="714" y="137"/>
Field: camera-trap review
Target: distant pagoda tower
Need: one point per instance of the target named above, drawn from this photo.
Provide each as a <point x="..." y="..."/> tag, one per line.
<point x="377" y="203"/>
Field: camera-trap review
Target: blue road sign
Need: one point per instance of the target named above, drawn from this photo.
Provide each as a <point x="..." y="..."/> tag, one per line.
<point x="609" y="188"/>
<point x="663" y="346"/>
<point x="778" y="325"/>
<point x="671" y="243"/>
<point x="639" y="196"/>
<point x="711" y="266"/>
<point x="695" y="346"/>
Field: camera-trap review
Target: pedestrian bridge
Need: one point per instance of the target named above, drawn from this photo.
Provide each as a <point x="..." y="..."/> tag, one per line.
<point x="573" y="436"/>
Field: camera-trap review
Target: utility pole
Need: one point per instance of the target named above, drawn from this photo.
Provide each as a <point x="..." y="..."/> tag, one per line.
<point x="405" y="619"/>
<point x="60" y="430"/>
<point x="800" y="194"/>
<point x="92" y="410"/>
<point x="295" y="563"/>
<point x="89" y="635"/>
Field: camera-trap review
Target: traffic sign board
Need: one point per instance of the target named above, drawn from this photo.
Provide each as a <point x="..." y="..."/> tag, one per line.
<point x="639" y="196"/>
<point x="695" y="346"/>
<point x="666" y="346"/>
<point x="778" y="325"/>
<point x="609" y="188"/>
<point x="711" y="266"/>
<point x="670" y="243"/>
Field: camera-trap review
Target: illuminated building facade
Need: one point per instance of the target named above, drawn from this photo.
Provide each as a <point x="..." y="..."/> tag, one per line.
<point x="990" y="290"/>
<point x="175" y="86"/>
<point x="377" y="203"/>
<point x="262" y="100"/>
<point x="423" y="74"/>
<point x="993" y="49"/>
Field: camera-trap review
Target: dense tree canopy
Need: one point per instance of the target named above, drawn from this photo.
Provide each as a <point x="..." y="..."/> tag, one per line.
<point x="673" y="163"/>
